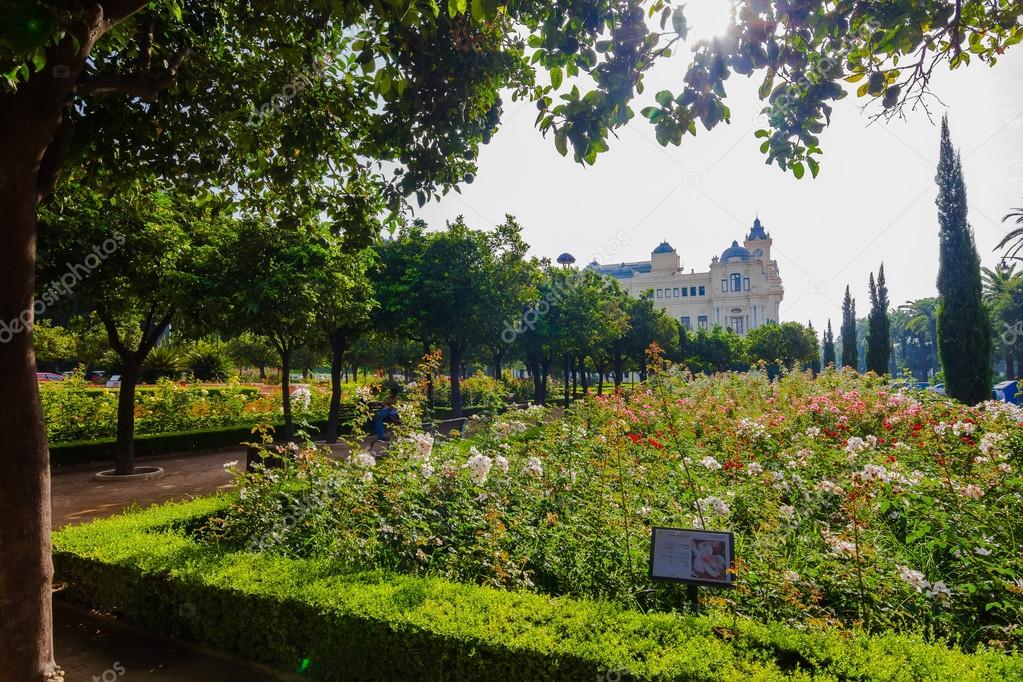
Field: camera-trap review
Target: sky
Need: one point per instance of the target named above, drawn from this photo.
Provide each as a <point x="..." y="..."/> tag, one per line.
<point x="873" y="201"/>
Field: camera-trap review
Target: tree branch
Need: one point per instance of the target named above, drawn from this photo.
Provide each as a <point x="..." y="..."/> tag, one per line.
<point x="113" y="336"/>
<point x="143" y="86"/>
<point x="53" y="158"/>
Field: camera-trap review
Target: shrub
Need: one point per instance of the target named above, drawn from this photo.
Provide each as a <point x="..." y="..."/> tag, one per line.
<point x="300" y="615"/>
<point x="209" y="362"/>
<point x="478" y="391"/>
<point x="852" y="504"/>
<point x="163" y="362"/>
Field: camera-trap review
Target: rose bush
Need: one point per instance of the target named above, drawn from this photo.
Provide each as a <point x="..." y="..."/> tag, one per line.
<point x="854" y="504"/>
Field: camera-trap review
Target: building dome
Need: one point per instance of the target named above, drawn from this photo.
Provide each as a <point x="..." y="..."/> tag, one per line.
<point x="566" y="258"/>
<point x="664" y="247"/>
<point x="736" y="252"/>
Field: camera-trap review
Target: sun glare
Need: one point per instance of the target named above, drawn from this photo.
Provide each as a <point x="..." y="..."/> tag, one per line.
<point x="707" y="18"/>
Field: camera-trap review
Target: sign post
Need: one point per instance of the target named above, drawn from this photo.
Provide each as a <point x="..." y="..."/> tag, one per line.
<point x="694" y="557"/>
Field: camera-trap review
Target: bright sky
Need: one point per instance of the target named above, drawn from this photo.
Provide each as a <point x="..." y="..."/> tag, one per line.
<point x="873" y="200"/>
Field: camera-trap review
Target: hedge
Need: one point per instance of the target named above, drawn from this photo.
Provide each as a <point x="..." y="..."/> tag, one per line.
<point x="298" y="615"/>
<point x="247" y="391"/>
<point x="102" y="450"/>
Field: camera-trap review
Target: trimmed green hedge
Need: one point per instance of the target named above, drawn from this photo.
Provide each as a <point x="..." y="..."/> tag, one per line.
<point x="92" y="451"/>
<point x="299" y="615"/>
<point x="247" y="391"/>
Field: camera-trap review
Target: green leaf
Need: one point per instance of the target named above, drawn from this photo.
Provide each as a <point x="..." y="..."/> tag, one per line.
<point x="664" y="98"/>
<point x="814" y="166"/>
<point x="652" y="113"/>
<point x="762" y="133"/>
<point x="556" y="77"/>
<point x="679" y="23"/>
<point x="797" y="170"/>
<point x="561" y="141"/>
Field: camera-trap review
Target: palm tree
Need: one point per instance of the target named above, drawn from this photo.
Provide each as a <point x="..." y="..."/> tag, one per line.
<point x="1015" y="235"/>
<point x="923" y="321"/>
<point x="996" y="281"/>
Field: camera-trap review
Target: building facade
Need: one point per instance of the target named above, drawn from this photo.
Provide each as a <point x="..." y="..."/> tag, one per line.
<point x="741" y="291"/>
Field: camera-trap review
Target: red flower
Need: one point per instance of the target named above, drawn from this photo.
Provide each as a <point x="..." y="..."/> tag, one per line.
<point x="634" y="437"/>
<point x="655" y="443"/>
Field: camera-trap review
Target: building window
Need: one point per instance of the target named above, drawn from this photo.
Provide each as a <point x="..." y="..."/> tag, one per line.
<point x="692" y="291"/>
<point x="686" y="323"/>
<point x="703" y="291"/>
<point x="745" y="283"/>
<point x="736" y="281"/>
<point x="685" y="292"/>
<point x="724" y="285"/>
<point x="701" y="321"/>
<point x="676" y="292"/>
<point x="736" y="325"/>
<point x="667" y="293"/>
<point x="660" y="293"/>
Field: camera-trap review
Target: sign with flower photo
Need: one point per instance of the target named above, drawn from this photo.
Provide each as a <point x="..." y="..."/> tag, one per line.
<point x="698" y="557"/>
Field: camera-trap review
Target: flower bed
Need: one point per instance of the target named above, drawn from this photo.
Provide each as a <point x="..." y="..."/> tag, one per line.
<point x="854" y="506"/>
<point x="301" y="615"/>
<point x="77" y="411"/>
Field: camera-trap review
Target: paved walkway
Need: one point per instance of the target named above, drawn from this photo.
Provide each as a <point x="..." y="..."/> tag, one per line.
<point x="76" y="497"/>
<point x="99" y="648"/>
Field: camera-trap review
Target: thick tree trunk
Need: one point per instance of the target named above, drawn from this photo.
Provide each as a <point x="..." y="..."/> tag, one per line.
<point x="125" y="447"/>
<point x="26" y="572"/>
<point x="1010" y="365"/>
<point x="619" y="374"/>
<point x="455" y="362"/>
<point x="262" y="373"/>
<point x="31" y="132"/>
<point x="601" y="371"/>
<point x="289" y="424"/>
<point x="583" y="379"/>
<point x="337" y="352"/>
<point x="545" y="373"/>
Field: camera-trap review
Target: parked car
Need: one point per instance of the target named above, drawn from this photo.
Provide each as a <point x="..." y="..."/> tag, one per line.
<point x="937" y="388"/>
<point x="96" y="377"/>
<point x="49" y="376"/>
<point x="114" y="381"/>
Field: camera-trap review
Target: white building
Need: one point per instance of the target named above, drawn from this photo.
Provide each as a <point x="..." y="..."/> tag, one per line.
<point x="741" y="291"/>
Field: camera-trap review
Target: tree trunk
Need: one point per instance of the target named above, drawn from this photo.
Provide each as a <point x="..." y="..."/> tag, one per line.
<point x="497" y="364"/>
<point x="125" y="447"/>
<point x="1010" y="365"/>
<point x="582" y="375"/>
<point x="534" y="372"/>
<point x="569" y="379"/>
<point x="262" y="373"/>
<point x="455" y="362"/>
<point x="337" y="352"/>
<point x="601" y="371"/>
<point x="289" y="424"/>
<point x="33" y="133"/>
<point x="619" y="374"/>
<point x="545" y="372"/>
<point x="26" y="571"/>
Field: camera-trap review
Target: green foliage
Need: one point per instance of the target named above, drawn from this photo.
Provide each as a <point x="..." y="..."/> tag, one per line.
<point x="879" y="335"/>
<point x="163" y="362"/>
<point x="52" y="343"/>
<point x="208" y="362"/>
<point x="479" y="391"/>
<point x="851" y="505"/>
<point x="716" y="350"/>
<point x="963" y="326"/>
<point x="75" y="410"/>
<point x="828" y="348"/>
<point x="848" y="331"/>
<point x="300" y="614"/>
<point x="788" y="344"/>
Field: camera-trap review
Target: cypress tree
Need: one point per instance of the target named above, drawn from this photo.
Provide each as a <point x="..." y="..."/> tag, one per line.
<point x="964" y="330"/>
<point x="879" y="331"/>
<point x="850" y="358"/>
<point x="815" y="364"/>
<point x="828" y="354"/>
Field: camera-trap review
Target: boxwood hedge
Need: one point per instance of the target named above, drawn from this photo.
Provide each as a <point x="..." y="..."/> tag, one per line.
<point x="102" y="450"/>
<point x="299" y="615"/>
